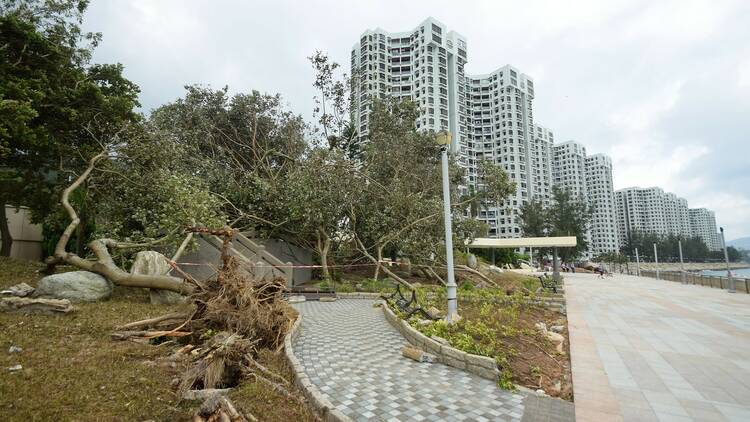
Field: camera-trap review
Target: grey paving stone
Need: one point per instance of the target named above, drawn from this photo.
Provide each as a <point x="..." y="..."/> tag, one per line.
<point x="353" y="355"/>
<point x="685" y="348"/>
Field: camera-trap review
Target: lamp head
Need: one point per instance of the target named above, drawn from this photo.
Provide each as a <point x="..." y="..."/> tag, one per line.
<point x="443" y="137"/>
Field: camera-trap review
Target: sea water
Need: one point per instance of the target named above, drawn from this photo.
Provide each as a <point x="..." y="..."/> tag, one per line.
<point x="736" y="272"/>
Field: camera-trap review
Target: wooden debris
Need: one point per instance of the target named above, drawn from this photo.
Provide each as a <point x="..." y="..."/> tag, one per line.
<point x="141" y="336"/>
<point x="219" y="408"/>
<point x="23" y="305"/>
<point x="205" y="394"/>
<point x="20" y="290"/>
<point x="155" y="321"/>
<point x="417" y="354"/>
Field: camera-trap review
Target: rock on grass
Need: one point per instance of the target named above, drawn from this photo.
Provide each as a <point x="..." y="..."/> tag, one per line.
<point x="76" y="286"/>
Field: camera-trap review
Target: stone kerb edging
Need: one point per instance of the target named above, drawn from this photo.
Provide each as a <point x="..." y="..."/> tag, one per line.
<point x="482" y="366"/>
<point x="554" y="303"/>
<point x="358" y="295"/>
<point x="319" y="403"/>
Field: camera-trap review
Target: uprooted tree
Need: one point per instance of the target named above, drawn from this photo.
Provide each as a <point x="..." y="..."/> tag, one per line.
<point x="401" y="206"/>
<point x="104" y="264"/>
<point x="234" y="316"/>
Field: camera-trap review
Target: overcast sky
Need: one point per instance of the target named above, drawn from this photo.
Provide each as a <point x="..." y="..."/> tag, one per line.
<point x="662" y="86"/>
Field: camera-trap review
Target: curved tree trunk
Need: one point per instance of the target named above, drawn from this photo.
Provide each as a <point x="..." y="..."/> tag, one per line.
<point x="104" y="265"/>
<point x="7" y="240"/>
<point x="379" y="251"/>
<point x="385" y="269"/>
<point x="323" y="247"/>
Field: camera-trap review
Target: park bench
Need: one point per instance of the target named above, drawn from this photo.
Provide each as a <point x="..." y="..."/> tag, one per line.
<point x="408" y="306"/>
<point x="548" y="283"/>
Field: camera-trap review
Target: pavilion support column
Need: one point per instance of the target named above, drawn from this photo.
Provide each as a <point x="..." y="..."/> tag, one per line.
<point x="493" y="256"/>
<point x="555" y="266"/>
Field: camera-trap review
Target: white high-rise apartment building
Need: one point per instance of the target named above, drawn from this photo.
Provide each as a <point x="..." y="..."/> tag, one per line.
<point x="425" y="65"/>
<point x="490" y="115"/>
<point x="676" y="215"/>
<point x="541" y="164"/>
<point x="500" y="118"/>
<point x="603" y="236"/>
<point x="589" y="178"/>
<point x="703" y="225"/>
<point x="569" y="168"/>
<point x="651" y="210"/>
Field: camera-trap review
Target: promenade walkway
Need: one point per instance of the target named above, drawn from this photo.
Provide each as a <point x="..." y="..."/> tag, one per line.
<point x="650" y="350"/>
<point x="352" y="355"/>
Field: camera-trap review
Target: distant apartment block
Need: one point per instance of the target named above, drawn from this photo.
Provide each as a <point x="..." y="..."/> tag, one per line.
<point x="703" y="225"/>
<point x="651" y="210"/>
<point x="640" y="210"/>
<point x="600" y="192"/>
<point x="569" y="167"/>
<point x="589" y="178"/>
<point x="542" y="159"/>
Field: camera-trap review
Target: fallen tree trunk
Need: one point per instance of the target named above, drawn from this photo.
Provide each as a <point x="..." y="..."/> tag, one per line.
<point x="475" y="272"/>
<point x="363" y="249"/>
<point x="105" y="265"/>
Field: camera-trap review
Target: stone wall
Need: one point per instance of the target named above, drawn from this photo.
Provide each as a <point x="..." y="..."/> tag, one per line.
<point x="27" y="237"/>
<point x="482" y="366"/>
<point x="319" y="403"/>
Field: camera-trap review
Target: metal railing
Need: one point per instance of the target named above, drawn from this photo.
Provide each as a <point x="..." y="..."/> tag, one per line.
<point x="742" y="285"/>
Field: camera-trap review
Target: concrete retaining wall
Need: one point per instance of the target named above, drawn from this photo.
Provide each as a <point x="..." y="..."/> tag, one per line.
<point x="27" y="237"/>
<point x="482" y="366"/>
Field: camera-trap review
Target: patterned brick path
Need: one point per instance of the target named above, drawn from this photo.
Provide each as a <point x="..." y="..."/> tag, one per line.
<point x="649" y="350"/>
<point x="352" y="355"/>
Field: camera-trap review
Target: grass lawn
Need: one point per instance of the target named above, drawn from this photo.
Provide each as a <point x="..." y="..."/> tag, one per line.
<point x="73" y="371"/>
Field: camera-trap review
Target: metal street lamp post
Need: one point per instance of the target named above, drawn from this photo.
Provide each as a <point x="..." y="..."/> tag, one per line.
<point x="730" y="280"/>
<point x="656" y="261"/>
<point x="637" y="263"/>
<point x="444" y="140"/>
<point x="682" y="265"/>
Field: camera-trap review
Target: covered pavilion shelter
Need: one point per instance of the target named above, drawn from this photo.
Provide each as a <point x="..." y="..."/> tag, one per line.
<point x="528" y="242"/>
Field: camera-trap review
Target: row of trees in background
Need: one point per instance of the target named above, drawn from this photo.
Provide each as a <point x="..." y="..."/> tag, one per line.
<point x="212" y="158"/>
<point x="667" y="247"/>
<point x="54" y="106"/>
<point x="566" y="215"/>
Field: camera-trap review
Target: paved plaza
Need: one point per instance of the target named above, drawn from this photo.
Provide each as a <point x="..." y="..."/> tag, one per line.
<point x="650" y="350"/>
<point x="352" y="355"/>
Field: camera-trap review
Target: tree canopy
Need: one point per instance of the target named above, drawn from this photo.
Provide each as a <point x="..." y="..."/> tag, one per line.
<point x="54" y="105"/>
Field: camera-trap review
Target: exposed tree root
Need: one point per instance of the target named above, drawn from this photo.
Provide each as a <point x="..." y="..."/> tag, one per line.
<point x="154" y="321"/>
<point x="236" y="315"/>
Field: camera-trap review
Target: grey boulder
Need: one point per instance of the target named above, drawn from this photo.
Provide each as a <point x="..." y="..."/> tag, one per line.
<point x="76" y="286"/>
<point x="471" y="261"/>
<point x="154" y="263"/>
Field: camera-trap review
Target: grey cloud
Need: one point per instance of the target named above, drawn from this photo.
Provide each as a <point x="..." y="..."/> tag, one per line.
<point x="655" y="84"/>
